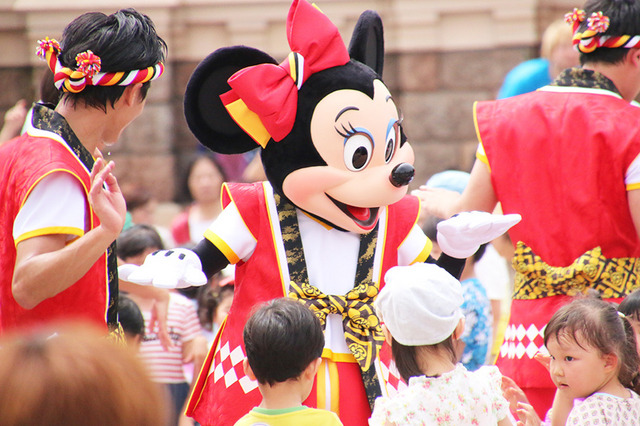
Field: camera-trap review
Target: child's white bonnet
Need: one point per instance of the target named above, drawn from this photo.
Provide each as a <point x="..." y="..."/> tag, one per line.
<point x="420" y="304"/>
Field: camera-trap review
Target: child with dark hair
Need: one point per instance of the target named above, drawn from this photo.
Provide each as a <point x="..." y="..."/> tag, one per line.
<point x="630" y="307"/>
<point x="214" y="302"/>
<point x="284" y="340"/>
<point x="594" y="364"/>
<point x="131" y="320"/>
<point x="165" y="364"/>
<point x="420" y="308"/>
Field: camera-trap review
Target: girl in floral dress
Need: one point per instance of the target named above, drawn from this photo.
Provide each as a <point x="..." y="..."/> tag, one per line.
<point x="419" y="308"/>
<point x="594" y="364"/>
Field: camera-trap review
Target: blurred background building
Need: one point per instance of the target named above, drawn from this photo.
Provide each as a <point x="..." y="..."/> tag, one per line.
<point x="441" y="56"/>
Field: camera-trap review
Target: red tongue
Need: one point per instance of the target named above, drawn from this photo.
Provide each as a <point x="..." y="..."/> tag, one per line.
<point x="360" y="213"/>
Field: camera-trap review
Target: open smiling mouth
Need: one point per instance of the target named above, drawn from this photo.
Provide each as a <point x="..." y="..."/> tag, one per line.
<point x="365" y="217"/>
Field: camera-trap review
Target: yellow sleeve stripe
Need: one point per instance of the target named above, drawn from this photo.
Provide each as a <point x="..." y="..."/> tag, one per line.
<point x="52" y="230"/>
<point x="424" y="254"/>
<point x="222" y="246"/>
<point x="633" y="186"/>
<point x="480" y="153"/>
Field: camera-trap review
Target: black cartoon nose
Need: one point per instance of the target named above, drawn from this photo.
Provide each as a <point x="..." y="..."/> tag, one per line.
<point x="402" y="174"/>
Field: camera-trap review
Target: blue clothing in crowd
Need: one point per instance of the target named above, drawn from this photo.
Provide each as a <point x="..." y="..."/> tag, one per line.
<point x="525" y="77"/>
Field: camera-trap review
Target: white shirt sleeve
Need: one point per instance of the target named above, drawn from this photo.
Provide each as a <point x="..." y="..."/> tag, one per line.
<point x="415" y="248"/>
<point x="56" y="205"/>
<point x="492" y="270"/>
<point x="231" y="235"/>
<point x="632" y="178"/>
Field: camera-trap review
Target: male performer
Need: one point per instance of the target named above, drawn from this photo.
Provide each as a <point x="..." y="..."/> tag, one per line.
<point x="61" y="206"/>
<point x="566" y="158"/>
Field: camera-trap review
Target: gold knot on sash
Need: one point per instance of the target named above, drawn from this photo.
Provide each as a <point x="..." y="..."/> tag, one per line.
<point x="362" y="329"/>
<point x="612" y="278"/>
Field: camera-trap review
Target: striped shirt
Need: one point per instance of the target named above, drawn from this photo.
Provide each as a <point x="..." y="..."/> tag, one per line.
<point x="165" y="366"/>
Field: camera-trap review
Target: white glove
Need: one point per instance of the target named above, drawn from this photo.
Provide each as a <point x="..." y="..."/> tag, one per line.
<point x="176" y="268"/>
<point x="462" y="235"/>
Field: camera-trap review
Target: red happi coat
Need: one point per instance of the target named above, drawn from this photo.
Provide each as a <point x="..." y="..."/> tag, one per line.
<point x="223" y="393"/>
<point x="558" y="157"/>
<point x="23" y="163"/>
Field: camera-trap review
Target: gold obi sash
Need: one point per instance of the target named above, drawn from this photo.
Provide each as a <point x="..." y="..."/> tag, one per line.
<point x="612" y="278"/>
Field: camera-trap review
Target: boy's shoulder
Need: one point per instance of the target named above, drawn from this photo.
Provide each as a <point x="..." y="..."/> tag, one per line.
<point x="297" y="416"/>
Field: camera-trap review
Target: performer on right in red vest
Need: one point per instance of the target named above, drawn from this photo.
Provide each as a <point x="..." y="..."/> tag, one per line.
<point x="566" y="158"/>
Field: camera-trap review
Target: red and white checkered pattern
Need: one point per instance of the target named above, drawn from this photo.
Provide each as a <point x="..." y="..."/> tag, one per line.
<point x="521" y="340"/>
<point x="228" y="366"/>
<point x="389" y="374"/>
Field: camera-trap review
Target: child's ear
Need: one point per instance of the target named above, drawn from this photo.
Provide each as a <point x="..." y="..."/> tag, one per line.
<point x="247" y="369"/>
<point x="387" y="334"/>
<point x="311" y="370"/>
<point x="610" y="362"/>
<point x="459" y="329"/>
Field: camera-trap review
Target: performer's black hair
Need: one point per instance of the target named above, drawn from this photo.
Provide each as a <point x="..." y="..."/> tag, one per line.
<point x="624" y="19"/>
<point x="124" y="41"/>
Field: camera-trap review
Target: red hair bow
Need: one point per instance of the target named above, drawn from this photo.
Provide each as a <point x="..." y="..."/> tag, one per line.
<point x="271" y="91"/>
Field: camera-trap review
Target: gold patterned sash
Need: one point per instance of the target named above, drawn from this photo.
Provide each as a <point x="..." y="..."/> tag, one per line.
<point x="117" y="336"/>
<point x="361" y="326"/>
<point x="535" y="279"/>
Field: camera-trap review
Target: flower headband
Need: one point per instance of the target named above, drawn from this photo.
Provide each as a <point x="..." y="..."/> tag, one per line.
<point x="591" y="38"/>
<point x="87" y="70"/>
<point x="263" y="98"/>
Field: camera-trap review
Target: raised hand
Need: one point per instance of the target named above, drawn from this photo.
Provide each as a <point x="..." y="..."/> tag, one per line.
<point x="105" y="196"/>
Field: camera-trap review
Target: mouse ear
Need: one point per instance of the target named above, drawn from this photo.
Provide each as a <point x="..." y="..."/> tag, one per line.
<point x="206" y="115"/>
<point x="367" y="41"/>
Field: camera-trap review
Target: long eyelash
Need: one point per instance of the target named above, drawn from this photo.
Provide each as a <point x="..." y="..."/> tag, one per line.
<point x="345" y="133"/>
<point x="403" y="135"/>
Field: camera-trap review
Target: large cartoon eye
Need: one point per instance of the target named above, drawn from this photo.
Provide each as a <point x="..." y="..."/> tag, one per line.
<point x="390" y="144"/>
<point x="357" y="151"/>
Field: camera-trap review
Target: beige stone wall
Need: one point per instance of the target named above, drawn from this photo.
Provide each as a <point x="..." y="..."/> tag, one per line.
<point x="442" y="55"/>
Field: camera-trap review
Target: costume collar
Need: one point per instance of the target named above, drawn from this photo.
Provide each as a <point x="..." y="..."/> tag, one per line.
<point x="361" y="326"/>
<point x="47" y="119"/>
<point x="580" y="77"/>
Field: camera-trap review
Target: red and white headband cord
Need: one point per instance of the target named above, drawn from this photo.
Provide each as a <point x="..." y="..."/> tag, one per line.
<point x="593" y="38"/>
<point x="88" y="72"/>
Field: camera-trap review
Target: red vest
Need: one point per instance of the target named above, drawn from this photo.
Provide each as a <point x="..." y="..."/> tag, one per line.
<point x="222" y="393"/>
<point x="559" y="159"/>
<point x="23" y="162"/>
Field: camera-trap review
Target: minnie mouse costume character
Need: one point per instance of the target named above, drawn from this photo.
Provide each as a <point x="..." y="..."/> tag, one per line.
<point x="331" y="220"/>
